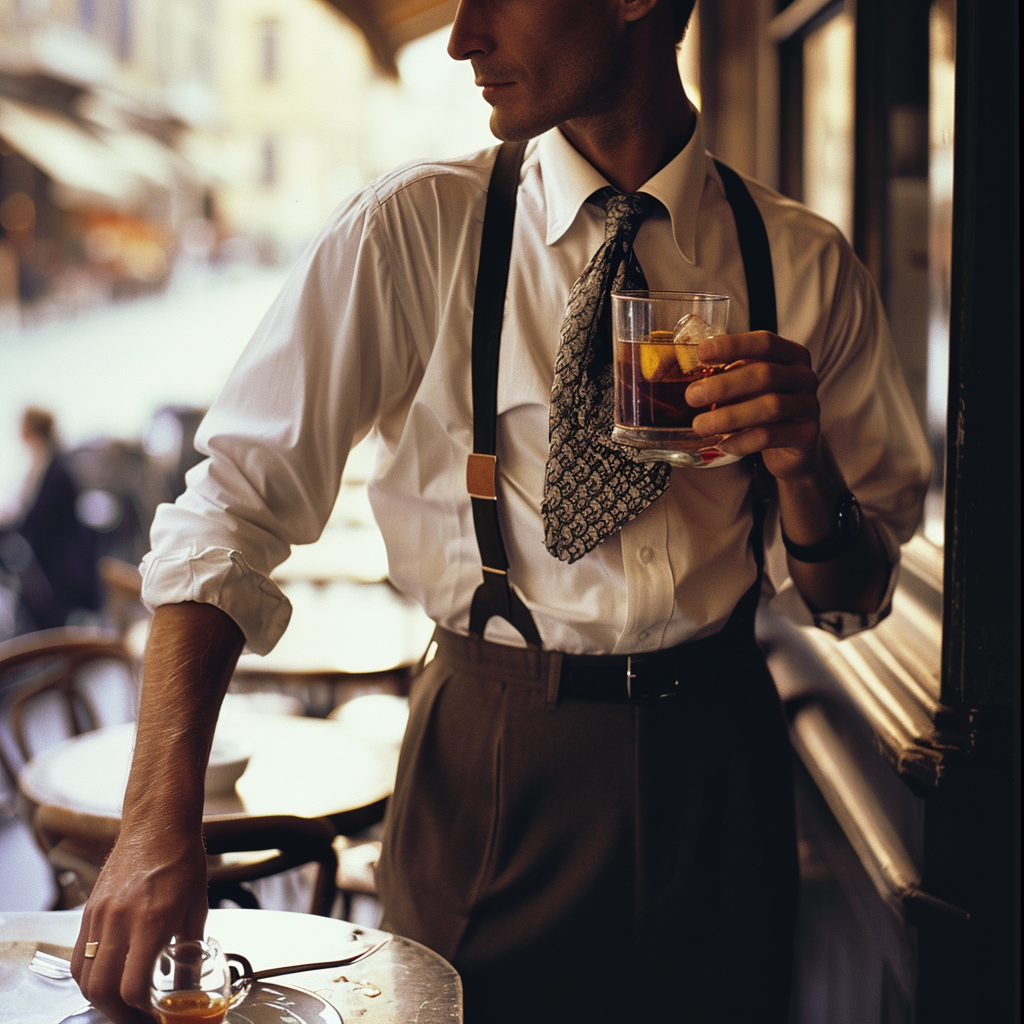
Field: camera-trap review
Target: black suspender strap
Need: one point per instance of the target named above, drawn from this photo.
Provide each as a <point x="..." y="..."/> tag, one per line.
<point x="494" y="596"/>
<point x="762" y="316"/>
<point x="757" y="256"/>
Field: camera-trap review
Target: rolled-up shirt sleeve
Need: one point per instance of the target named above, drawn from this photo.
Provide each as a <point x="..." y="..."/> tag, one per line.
<point x="332" y="350"/>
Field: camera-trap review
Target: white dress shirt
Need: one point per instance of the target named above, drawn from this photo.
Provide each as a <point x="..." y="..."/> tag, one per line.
<point x="373" y="329"/>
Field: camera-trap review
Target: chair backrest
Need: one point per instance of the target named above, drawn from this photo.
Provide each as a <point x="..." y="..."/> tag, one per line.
<point x="276" y="843"/>
<point x="122" y="592"/>
<point x="80" y="842"/>
<point x="46" y="667"/>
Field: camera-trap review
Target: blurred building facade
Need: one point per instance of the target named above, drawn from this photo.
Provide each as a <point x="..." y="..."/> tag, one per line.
<point x="293" y="79"/>
<point x="93" y="106"/>
<point x="134" y="132"/>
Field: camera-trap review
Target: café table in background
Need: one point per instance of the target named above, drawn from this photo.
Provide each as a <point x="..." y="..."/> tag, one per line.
<point x="345" y="637"/>
<point x="413" y="982"/>
<point x="351" y="632"/>
<point x="305" y="766"/>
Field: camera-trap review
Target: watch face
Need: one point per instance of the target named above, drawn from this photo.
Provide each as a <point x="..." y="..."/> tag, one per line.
<point x="850" y="518"/>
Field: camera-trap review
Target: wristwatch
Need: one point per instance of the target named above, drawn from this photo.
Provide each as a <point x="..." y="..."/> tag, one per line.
<point x="849" y="521"/>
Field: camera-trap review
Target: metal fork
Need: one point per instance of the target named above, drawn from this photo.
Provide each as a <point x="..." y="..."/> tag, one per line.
<point x="56" y="968"/>
<point x="46" y="965"/>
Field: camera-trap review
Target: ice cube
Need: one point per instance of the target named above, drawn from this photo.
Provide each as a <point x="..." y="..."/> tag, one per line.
<point x="692" y="329"/>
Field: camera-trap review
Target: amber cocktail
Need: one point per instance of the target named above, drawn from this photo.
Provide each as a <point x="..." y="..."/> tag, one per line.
<point x="655" y="339"/>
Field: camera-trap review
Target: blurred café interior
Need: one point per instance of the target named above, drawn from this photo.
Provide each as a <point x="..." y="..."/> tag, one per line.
<point x="161" y="167"/>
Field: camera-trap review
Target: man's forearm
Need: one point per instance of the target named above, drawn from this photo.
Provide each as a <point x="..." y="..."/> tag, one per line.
<point x="189" y="660"/>
<point x="856" y="580"/>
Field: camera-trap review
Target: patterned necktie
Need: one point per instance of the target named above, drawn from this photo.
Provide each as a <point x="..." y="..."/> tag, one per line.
<point x="591" y="485"/>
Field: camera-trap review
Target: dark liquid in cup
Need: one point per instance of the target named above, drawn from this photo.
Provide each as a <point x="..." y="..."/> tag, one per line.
<point x="191" y="1008"/>
<point x="659" y="402"/>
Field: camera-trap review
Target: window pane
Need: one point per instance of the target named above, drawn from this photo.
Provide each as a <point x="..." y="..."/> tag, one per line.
<point x="828" y="121"/>
<point x="940" y="233"/>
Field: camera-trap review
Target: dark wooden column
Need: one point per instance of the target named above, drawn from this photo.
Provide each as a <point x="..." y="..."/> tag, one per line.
<point x="971" y="973"/>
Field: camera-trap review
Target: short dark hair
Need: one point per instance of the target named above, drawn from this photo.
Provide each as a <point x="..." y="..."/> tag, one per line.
<point x="39" y="423"/>
<point x="681" y="11"/>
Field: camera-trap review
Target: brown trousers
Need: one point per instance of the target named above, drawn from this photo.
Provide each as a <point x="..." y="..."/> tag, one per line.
<point x="590" y="861"/>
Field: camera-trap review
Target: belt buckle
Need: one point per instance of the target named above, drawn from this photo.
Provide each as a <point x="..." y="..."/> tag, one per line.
<point x="631" y="680"/>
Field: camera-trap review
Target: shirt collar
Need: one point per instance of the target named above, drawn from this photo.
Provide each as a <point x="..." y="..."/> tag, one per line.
<point x="569" y="180"/>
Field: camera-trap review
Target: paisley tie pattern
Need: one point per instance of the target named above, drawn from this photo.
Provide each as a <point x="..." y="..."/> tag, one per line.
<point x="591" y="485"/>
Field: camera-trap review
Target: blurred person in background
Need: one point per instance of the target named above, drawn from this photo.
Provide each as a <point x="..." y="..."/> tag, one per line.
<point x="44" y="543"/>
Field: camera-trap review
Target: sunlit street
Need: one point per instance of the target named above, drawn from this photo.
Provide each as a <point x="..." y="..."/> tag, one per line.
<point x="104" y="373"/>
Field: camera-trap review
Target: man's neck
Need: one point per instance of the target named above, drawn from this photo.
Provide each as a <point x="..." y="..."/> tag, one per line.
<point x="630" y="145"/>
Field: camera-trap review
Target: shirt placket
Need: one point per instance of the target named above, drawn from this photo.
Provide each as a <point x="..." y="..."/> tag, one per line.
<point x="650" y="586"/>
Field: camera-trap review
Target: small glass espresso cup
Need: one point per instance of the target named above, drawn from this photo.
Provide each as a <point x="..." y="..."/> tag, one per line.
<point x="655" y="336"/>
<point x="192" y="983"/>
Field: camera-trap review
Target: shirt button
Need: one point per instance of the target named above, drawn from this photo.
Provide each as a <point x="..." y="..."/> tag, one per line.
<point x="645" y="555"/>
<point x="642" y="636"/>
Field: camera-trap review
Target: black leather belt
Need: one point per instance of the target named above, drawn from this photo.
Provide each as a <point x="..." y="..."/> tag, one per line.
<point x="632" y="678"/>
<point x="615" y="678"/>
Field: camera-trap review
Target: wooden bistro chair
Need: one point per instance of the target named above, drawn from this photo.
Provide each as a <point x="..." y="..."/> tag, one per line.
<point x="238" y="849"/>
<point x="50" y="691"/>
<point x="47" y="694"/>
<point x="122" y="592"/>
<point x="357" y="870"/>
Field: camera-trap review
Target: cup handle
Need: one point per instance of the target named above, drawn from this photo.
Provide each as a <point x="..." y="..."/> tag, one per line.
<point x="241" y="977"/>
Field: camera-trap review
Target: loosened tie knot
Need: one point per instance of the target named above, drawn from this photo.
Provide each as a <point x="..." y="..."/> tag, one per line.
<point x="624" y="213"/>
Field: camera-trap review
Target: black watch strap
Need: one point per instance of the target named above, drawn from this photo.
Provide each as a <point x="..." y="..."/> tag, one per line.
<point x="843" y="536"/>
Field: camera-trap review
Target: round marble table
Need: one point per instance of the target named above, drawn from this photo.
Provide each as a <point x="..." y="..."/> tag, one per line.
<point x="304" y="766"/>
<point x="403" y="982"/>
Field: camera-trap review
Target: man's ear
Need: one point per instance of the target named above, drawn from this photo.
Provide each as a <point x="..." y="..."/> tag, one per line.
<point x="634" y="10"/>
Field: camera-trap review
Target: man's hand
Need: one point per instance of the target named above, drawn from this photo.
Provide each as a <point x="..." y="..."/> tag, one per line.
<point x="767" y="401"/>
<point x="151" y="888"/>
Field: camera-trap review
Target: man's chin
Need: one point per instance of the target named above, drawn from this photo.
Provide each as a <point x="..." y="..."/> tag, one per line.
<point x="510" y="127"/>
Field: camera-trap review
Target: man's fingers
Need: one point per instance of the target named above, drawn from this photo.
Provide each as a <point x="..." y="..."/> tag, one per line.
<point x="194" y="926"/>
<point x="78" y="958"/>
<point x="765" y="410"/>
<point x="138" y="971"/>
<point x="795" y="437"/>
<point x="100" y="979"/>
<point x="750" y="379"/>
<point x="757" y="345"/>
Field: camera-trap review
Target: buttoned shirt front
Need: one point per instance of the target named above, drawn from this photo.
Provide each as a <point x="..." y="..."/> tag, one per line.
<point x="373" y="330"/>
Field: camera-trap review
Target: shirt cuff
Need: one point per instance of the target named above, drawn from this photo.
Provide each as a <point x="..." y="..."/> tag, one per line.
<point x="223" y="578"/>
<point x="789" y="601"/>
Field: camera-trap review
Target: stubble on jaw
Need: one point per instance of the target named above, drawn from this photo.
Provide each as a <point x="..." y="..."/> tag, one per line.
<point x="583" y="85"/>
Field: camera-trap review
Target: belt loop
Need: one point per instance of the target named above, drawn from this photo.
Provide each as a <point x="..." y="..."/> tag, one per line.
<point x="554" y="676"/>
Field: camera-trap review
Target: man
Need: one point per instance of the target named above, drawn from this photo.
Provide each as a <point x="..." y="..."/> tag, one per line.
<point x="60" y="578"/>
<point x="577" y="854"/>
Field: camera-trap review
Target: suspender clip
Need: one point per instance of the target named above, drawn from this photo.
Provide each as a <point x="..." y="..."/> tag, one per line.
<point x="481" y="473"/>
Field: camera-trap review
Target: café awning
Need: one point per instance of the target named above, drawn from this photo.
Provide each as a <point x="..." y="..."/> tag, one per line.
<point x="389" y="24"/>
<point x="67" y="153"/>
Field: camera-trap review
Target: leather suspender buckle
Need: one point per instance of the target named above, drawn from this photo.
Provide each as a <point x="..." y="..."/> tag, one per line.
<point x="481" y="471"/>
